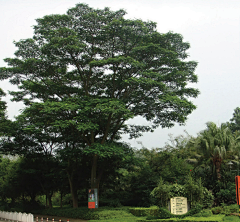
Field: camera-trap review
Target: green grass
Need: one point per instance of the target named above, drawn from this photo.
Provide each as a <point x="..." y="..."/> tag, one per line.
<point x="218" y="217"/>
<point x="203" y="219"/>
<point x="122" y="214"/>
<point x="116" y="214"/>
<point x="231" y="219"/>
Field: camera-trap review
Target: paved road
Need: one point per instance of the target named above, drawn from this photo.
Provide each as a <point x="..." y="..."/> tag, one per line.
<point x="56" y="219"/>
<point x="43" y="218"/>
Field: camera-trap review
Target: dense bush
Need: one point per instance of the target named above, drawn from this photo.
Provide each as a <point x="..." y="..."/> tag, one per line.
<point x="227" y="195"/>
<point x="164" y="213"/>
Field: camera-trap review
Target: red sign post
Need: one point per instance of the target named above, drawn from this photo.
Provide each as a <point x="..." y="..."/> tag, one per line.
<point x="237" y="181"/>
<point x="92" y="199"/>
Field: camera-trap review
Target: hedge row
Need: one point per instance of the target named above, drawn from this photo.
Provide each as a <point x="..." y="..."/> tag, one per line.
<point x="163" y="215"/>
<point x="78" y="213"/>
<point x="218" y="218"/>
<point x="141" y="212"/>
<point x="178" y="220"/>
<point x="103" y="213"/>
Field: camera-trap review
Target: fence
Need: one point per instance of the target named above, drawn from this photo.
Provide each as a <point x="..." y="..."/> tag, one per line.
<point x="14" y="216"/>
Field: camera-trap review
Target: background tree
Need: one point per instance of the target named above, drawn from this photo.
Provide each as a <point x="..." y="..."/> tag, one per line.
<point x="214" y="143"/>
<point x="40" y="174"/>
<point x="34" y="138"/>
<point x="234" y="123"/>
<point x="5" y="123"/>
<point x="8" y="188"/>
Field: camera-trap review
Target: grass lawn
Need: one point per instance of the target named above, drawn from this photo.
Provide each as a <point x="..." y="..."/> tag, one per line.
<point x="122" y="214"/>
<point x="115" y="215"/>
<point x="231" y="219"/>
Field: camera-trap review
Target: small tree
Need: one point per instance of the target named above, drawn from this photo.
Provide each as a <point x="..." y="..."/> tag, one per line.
<point x="161" y="193"/>
<point x="194" y="190"/>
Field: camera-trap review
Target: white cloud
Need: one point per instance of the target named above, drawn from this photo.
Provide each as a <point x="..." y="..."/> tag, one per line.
<point x="212" y="28"/>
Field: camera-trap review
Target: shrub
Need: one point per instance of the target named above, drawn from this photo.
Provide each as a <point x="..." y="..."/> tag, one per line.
<point x="217" y="210"/>
<point x="234" y="208"/>
<point x="204" y="213"/>
<point x="195" y="209"/>
<point x="164" y="213"/>
<point x="208" y="198"/>
<point x="227" y="210"/>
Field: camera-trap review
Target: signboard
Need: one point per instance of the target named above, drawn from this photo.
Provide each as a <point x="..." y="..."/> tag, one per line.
<point x="92" y="198"/>
<point x="179" y="205"/>
<point x="237" y="181"/>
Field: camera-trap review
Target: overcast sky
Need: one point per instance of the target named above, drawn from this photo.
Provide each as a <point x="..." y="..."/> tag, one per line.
<point x="212" y="27"/>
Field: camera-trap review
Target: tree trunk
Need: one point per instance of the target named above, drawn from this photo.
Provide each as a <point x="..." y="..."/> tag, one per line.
<point x="95" y="179"/>
<point x="73" y="191"/>
<point x="32" y="196"/>
<point x="94" y="172"/>
<point x="218" y="168"/>
<point x="61" y="199"/>
<point x="49" y="200"/>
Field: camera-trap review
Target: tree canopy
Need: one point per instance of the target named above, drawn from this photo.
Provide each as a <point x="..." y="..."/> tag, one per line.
<point x="102" y="67"/>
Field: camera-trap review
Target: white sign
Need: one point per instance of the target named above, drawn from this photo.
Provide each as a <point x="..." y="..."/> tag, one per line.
<point x="179" y="205"/>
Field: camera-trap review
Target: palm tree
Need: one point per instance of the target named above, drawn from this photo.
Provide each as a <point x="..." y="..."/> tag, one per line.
<point x="214" y="143"/>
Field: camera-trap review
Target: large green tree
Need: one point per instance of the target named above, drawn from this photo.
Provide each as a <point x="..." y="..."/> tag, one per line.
<point x="89" y="71"/>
